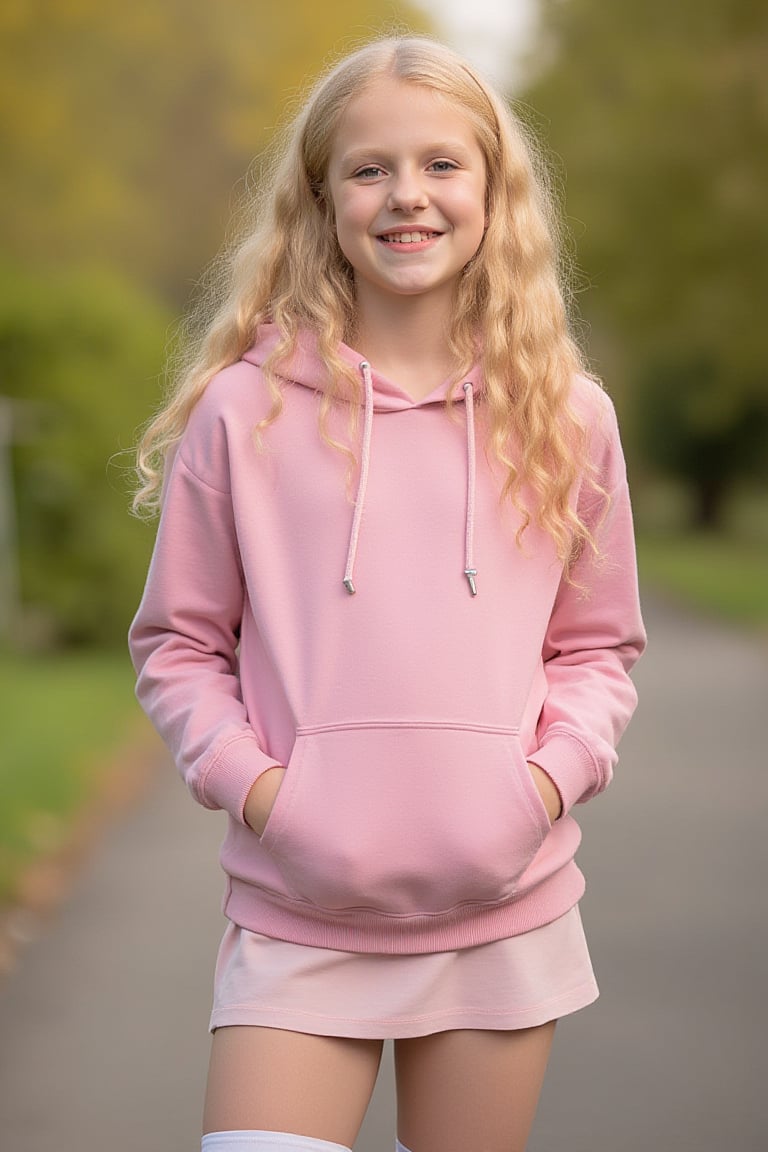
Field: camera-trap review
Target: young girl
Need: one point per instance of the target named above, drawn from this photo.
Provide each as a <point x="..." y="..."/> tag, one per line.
<point x="389" y="619"/>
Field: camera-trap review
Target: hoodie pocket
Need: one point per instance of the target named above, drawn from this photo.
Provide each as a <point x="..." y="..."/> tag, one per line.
<point x="405" y="819"/>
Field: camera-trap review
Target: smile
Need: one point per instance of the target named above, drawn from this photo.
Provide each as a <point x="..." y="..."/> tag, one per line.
<point x="408" y="237"/>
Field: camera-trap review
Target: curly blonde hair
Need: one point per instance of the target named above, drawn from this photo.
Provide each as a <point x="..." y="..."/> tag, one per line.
<point x="510" y="301"/>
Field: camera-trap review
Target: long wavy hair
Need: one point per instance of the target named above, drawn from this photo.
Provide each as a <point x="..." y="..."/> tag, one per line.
<point x="510" y="301"/>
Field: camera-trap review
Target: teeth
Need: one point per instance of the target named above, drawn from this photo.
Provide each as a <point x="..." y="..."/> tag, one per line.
<point x="409" y="237"/>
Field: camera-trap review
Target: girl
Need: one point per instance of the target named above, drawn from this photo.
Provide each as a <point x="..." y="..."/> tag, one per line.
<point x="389" y="619"/>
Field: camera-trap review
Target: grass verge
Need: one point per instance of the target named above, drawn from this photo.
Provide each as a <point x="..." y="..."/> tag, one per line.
<point x="65" y="719"/>
<point x="720" y="575"/>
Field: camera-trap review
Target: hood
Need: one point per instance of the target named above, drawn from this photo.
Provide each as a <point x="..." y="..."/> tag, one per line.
<point x="306" y="367"/>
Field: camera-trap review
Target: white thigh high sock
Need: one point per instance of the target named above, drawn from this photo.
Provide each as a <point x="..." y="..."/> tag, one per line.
<point x="266" y="1142"/>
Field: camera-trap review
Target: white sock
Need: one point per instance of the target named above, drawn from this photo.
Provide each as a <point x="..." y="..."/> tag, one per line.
<point x="400" y="1147"/>
<point x="259" y="1141"/>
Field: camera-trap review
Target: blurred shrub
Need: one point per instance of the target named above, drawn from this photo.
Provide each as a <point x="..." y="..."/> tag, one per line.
<point x="125" y="127"/>
<point x="79" y="356"/>
<point x="692" y="426"/>
<point x="659" y="112"/>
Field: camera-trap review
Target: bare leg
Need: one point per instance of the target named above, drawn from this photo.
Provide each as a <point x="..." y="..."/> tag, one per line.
<point x="467" y="1089"/>
<point x="270" y="1079"/>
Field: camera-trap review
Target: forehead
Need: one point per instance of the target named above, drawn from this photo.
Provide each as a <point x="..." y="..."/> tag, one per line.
<point x="391" y="113"/>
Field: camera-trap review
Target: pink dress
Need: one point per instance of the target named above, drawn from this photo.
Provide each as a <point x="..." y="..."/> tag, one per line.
<point x="517" y="982"/>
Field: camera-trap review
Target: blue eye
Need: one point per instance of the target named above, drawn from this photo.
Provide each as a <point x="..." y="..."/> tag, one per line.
<point x="371" y="171"/>
<point x="443" y="166"/>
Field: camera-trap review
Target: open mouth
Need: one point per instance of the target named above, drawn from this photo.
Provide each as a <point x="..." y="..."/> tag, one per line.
<point x="412" y="237"/>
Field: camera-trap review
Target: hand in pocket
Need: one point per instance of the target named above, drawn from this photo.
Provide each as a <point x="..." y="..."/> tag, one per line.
<point x="261" y="799"/>
<point x="550" y="797"/>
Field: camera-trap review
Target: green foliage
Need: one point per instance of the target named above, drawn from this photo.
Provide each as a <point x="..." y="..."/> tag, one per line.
<point x="79" y="355"/>
<point x="659" y="113"/>
<point x="692" y="427"/>
<point x="124" y="131"/>
<point x="125" y="127"/>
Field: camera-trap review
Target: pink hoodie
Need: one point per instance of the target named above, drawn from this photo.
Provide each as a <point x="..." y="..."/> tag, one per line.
<point x="408" y="820"/>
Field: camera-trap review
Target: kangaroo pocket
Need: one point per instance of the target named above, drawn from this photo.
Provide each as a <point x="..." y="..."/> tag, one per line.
<point x="405" y="819"/>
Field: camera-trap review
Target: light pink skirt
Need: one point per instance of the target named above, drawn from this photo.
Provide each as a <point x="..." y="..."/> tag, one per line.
<point x="514" y="983"/>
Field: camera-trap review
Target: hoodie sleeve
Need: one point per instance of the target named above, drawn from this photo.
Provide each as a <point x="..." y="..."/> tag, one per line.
<point x="184" y="638"/>
<point x="594" y="637"/>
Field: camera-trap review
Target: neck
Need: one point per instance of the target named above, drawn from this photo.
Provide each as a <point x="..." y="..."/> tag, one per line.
<point x="405" y="339"/>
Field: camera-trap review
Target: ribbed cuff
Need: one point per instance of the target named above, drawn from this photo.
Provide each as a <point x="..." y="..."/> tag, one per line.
<point x="232" y="773"/>
<point x="570" y="765"/>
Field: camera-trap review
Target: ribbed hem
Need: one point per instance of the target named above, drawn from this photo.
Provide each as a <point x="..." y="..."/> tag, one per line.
<point x="258" y="1138"/>
<point x="362" y="930"/>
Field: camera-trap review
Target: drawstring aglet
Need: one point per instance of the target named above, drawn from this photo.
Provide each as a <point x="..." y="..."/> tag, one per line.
<point x="349" y="586"/>
<point x="470" y="574"/>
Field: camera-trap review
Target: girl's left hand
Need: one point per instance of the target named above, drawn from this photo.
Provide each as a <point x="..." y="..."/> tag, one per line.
<point x="550" y="797"/>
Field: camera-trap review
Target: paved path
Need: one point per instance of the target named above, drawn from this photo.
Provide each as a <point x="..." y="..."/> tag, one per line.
<point x="103" y="1041"/>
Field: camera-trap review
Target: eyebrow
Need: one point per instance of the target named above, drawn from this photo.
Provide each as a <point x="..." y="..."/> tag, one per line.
<point x="439" y="148"/>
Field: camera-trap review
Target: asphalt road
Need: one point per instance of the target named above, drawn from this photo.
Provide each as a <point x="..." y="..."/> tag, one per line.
<point x="103" y="1025"/>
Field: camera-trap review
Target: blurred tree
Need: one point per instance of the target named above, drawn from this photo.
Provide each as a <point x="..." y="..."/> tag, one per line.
<point x="125" y="127"/>
<point x="124" y="130"/>
<point x="79" y="358"/>
<point x="694" y="429"/>
<point x="659" y="113"/>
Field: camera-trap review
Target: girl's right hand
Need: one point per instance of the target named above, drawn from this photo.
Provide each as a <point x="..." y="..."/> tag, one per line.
<point x="261" y="799"/>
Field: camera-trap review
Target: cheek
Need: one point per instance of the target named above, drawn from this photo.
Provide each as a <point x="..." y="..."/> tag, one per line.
<point x="471" y="211"/>
<point x="465" y="199"/>
<point x="346" y="241"/>
<point x="352" y="221"/>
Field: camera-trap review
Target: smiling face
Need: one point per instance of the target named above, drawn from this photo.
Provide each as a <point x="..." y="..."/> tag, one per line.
<point x="407" y="181"/>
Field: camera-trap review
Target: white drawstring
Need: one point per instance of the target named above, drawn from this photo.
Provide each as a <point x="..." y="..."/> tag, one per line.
<point x="469" y="565"/>
<point x="365" y="460"/>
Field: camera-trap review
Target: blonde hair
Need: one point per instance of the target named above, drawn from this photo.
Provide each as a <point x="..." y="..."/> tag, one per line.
<point x="510" y="301"/>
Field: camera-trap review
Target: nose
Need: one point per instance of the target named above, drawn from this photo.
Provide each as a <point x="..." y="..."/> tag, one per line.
<point x="407" y="193"/>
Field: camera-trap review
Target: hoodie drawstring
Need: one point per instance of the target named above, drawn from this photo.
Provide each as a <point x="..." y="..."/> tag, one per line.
<point x="365" y="461"/>
<point x="469" y="568"/>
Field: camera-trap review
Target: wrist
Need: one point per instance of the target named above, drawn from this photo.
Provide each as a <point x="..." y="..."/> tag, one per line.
<point x="261" y="798"/>
<point x="548" y="791"/>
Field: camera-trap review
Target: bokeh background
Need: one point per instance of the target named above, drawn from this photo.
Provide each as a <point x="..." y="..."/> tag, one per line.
<point x="126" y="133"/>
